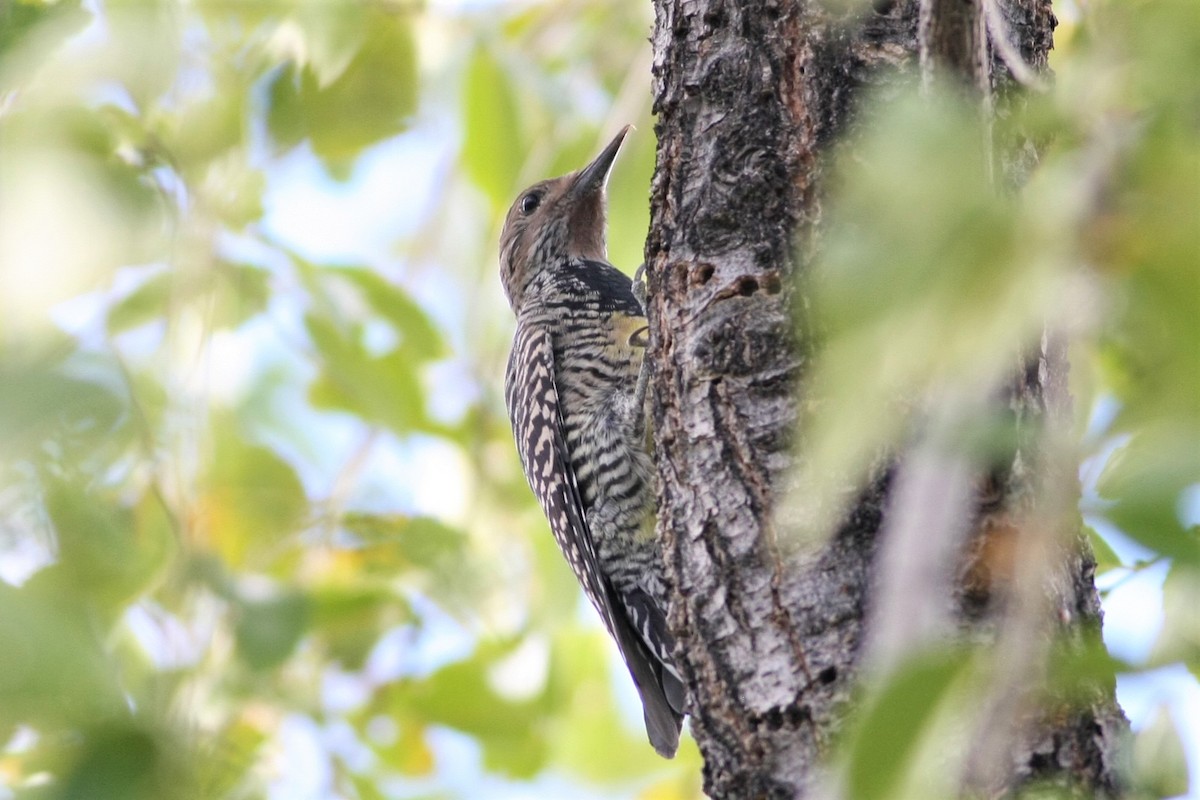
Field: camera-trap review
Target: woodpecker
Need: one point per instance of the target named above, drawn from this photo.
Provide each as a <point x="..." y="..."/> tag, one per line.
<point x="575" y="391"/>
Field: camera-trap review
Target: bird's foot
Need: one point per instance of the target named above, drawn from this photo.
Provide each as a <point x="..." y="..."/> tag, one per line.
<point x="639" y="286"/>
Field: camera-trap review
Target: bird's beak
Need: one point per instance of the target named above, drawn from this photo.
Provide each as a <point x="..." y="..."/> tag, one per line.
<point x="592" y="178"/>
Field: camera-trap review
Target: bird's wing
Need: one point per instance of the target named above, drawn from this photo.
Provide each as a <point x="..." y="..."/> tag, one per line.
<point x="536" y="415"/>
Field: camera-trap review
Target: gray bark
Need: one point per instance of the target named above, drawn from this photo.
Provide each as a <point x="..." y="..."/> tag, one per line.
<point x="749" y="96"/>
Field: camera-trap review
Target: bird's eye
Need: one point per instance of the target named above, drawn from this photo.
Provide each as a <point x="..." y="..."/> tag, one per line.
<point x="530" y="202"/>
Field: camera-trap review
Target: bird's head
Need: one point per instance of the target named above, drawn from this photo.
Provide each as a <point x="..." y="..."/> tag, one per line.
<point x="554" y="219"/>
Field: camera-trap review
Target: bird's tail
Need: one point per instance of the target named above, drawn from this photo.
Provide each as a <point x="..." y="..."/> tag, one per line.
<point x="662" y="692"/>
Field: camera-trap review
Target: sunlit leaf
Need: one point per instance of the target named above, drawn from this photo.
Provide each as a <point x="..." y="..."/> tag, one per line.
<point x="1179" y="639"/>
<point x="1081" y="668"/>
<point x="206" y="129"/>
<point x="383" y="389"/>
<point x="43" y="400"/>
<point x="421" y="337"/>
<point x="1159" y="762"/>
<point x="52" y="20"/>
<point x="411" y="753"/>
<point x="144" y="304"/>
<point x="590" y="736"/>
<point x="922" y="295"/>
<point x="350" y="618"/>
<point x="227" y="758"/>
<point x="884" y="738"/>
<point x="233" y="189"/>
<point x="460" y="696"/>
<point x="113" y="551"/>
<point x="252" y="499"/>
<point x="1145" y="480"/>
<point x="55" y="670"/>
<point x="228" y="295"/>
<point x="371" y="99"/>
<point x="241" y="291"/>
<point x="333" y="35"/>
<point x="146" y="37"/>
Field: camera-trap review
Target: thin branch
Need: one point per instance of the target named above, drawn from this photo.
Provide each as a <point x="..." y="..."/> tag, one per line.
<point x="926" y="522"/>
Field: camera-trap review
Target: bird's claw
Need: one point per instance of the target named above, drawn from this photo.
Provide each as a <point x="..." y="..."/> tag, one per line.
<point x="639" y="286"/>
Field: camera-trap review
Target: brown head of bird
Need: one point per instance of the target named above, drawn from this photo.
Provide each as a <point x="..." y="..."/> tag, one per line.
<point x="554" y="220"/>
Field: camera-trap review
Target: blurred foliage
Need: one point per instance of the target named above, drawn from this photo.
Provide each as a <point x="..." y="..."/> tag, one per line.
<point x="262" y="529"/>
<point x="931" y="285"/>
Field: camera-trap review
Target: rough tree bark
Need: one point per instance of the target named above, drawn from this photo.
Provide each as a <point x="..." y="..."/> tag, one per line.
<point x="748" y="96"/>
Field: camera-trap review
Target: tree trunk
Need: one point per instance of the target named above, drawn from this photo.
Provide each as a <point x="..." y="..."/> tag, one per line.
<point x="748" y="96"/>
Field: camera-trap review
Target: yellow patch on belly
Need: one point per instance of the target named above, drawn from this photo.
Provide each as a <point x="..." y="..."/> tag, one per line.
<point x="629" y="337"/>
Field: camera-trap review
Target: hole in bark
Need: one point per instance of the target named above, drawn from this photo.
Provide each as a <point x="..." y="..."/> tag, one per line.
<point x="772" y="12"/>
<point x="798" y="715"/>
<point x="827" y="675"/>
<point x="715" y="18"/>
<point x="747" y="285"/>
<point x="702" y="274"/>
<point x="775" y="719"/>
<point x="1039" y="762"/>
<point x="883" y="6"/>
<point x="772" y="284"/>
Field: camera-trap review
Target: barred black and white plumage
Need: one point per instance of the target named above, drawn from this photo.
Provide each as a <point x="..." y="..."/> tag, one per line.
<point x="572" y="393"/>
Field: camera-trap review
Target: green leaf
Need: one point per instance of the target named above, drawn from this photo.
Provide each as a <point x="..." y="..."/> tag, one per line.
<point x="55" y="670"/>
<point x="417" y="550"/>
<point x="227" y="758"/>
<point x="425" y="542"/>
<point x="370" y="100"/>
<point x="242" y="291"/>
<point x="20" y="19"/>
<point x="233" y="190"/>
<point x="422" y="340"/>
<point x="146" y="303"/>
<point x="1106" y="557"/>
<point x="886" y="735"/>
<point x="494" y="142"/>
<point x="39" y="401"/>
<point x="1081" y="668"/>
<point x="229" y="294"/>
<point x="333" y="35"/>
<point x="268" y="630"/>
<point x="113" y="551"/>
<point x="350" y="618"/>
<point x="206" y="128"/>
<point x="460" y="696"/>
<point x="380" y="389"/>
<point x="252" y="499"/>
<point x="144" y="47"/>
<point x="1145" y="479"/>
<point x="588" y="734"/>
<point x="1179" y="639"/>
<point x="1159" y="762"/>
<point x="124" y="761"/>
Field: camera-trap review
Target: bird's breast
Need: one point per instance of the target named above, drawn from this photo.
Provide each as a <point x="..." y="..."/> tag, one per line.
<point x="597" y="379"/>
